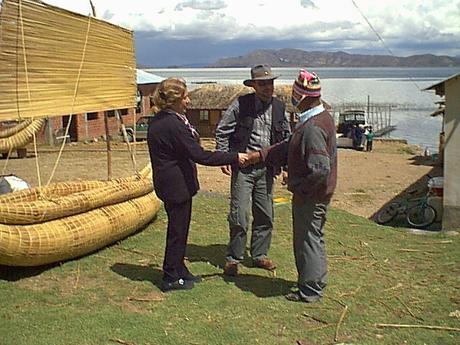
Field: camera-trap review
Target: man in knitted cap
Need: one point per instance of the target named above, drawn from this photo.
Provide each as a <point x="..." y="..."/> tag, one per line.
<point x="311" y="156"/>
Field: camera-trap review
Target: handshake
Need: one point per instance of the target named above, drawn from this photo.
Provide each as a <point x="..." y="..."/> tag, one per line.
<point x="246" y="159"/>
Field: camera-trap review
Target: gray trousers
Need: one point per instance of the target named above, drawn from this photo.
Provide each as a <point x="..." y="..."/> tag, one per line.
<point x="252" y="186"/>
<point x="308" y="220"/>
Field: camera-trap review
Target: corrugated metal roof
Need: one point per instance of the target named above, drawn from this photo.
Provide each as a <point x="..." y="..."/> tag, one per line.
<point x="143" y="77"/>
<point x="439" y="87"/>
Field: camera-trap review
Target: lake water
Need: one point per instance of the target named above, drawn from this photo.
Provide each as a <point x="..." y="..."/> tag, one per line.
<point x="400" y="87"/>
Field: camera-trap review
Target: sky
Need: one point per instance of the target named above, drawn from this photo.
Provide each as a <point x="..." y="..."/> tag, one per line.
<point x="187" y="32"/>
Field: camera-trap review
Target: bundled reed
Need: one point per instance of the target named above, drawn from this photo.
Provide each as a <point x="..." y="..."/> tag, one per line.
<point x="20" y="135"/>
<point x="69" y="219"/>
<point x="47" y="206"/>
<point x="74" y="236"/>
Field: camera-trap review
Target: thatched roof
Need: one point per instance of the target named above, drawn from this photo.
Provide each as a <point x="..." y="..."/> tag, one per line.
<point x="219" y="97"/>
<point x="216" y="96"/>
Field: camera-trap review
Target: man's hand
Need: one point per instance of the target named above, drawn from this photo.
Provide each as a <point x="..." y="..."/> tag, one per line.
<point x="284" y="178"/>
<point x="242" y="159"/>
<point x="254" y="157"/>
<point x="226" y="169"/>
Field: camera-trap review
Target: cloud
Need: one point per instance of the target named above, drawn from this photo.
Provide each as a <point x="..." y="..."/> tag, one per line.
<point x="307" y="4"/>
<point x="236" y="27"/>
<point x="205" y="5"/>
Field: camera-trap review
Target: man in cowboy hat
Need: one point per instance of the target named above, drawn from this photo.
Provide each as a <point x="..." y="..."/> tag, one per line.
<point x="252" y="122"/>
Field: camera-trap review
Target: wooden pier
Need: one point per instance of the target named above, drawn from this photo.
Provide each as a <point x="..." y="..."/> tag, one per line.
<point x="377" y="115"/>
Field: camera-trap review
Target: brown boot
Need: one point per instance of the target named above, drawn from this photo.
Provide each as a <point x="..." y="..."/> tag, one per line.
<point x="231" y="269"/>
<point x="265" y="263"/>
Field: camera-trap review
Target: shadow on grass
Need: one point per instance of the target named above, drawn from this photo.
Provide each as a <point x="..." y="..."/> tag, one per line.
<point x="261" y="286"/>
<point x="214" y="254"/>
<point x="12" y="273"/>
<point x="139" y="273"/>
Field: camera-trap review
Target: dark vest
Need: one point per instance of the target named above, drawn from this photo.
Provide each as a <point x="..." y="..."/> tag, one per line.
<point x="280" y="129"/>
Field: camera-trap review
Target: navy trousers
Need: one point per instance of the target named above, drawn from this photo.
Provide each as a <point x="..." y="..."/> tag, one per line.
<point x="179" y="215"/>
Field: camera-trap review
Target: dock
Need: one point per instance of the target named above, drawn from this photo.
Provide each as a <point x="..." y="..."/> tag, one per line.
<point x="377" y="115"/>
<point x="383" y="131"/>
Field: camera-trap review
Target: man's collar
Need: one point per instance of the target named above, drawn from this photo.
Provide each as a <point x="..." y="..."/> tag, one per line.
<point x="310" y="113"/>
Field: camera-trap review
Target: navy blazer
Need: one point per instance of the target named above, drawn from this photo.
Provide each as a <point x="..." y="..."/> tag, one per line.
<point x="173" y="153"/>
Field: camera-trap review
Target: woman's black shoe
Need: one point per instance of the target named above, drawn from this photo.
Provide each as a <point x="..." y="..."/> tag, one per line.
<point x="180" y="284"/>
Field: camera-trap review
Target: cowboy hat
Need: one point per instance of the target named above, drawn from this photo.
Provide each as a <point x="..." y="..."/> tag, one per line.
<point x="260" y="72"/>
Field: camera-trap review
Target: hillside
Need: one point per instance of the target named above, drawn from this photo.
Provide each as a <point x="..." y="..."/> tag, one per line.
<point x="297" y="57"/>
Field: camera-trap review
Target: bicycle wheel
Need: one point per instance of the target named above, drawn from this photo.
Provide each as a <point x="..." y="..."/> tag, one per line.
<point x="421" y="216"/>
<point x="388" y="213"/>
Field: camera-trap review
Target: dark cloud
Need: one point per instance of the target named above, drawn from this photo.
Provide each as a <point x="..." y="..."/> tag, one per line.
<point x="107" y="15"/>
<point x="155" y="51"/>
<point x="307" y="4"/>
<point x="205" y="5"/>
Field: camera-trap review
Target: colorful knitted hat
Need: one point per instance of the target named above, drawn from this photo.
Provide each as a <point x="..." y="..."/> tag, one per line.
<point x="307" y="84"/>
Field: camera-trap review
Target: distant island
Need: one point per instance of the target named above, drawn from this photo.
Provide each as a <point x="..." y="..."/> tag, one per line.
<point x="298" y="57"/>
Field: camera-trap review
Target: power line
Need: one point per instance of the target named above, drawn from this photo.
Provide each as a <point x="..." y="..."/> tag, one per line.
<point x="380" y="38"/>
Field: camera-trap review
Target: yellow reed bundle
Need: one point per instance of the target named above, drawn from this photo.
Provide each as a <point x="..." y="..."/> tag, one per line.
<point x="74" y="236"/>
<point x="22" y="137"/>
<point x="55" y="62"/>
<point x="7" y="132"/>
<point x="92" y="214"/>
<point x="51" y="207"/>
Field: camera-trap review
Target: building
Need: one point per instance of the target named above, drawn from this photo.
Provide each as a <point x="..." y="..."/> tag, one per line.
<point x="210" y="101"/>
<point x="450" y="90"/>
<point x="89" y="126"/>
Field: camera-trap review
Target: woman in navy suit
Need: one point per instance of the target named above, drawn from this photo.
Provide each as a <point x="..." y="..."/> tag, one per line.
<point x="174" y="151"/>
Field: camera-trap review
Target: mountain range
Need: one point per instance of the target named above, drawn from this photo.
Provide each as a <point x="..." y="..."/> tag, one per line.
<point x="298" y="57"/>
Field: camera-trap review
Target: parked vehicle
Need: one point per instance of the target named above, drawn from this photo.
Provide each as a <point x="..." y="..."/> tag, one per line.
<point x="350" y="129"/>
<point x="138" y="132"/>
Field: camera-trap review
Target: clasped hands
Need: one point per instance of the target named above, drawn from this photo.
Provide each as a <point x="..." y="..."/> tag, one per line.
<point x="244" y="160"/>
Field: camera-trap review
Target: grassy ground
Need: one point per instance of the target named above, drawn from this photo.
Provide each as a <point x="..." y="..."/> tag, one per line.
<point x="377" y="275"/>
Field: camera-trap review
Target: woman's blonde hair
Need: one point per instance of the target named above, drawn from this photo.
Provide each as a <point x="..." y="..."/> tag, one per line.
<point x="167" y="94"/>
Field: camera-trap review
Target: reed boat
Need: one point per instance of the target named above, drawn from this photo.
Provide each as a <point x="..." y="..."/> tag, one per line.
<point x="69" y="219"/>
<point x="54" y="62"/>
<point x="17" y="137"/>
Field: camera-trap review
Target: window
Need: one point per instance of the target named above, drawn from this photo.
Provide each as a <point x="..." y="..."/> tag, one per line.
<point x="91" y="116"/>
<point x="124" y="112"/>
<point x="204" y="115"/>
<point x="110" y="113"/>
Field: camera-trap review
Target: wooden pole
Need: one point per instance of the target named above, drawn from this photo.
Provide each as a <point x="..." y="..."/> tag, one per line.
<point x="368" y="107"/>
<point x="109" y="148"/>
<point x="106" y="123"/>
<point x="442" y="328"/>
<point x="125" y="137"/>
<point x="389" y="114"/>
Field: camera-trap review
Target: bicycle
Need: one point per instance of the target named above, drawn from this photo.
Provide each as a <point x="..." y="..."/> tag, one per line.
<point x="416" y="210"/>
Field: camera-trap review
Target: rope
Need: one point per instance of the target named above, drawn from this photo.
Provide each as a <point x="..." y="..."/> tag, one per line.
<point x="73" y="103"/>
<point x="125" y="138"/>
<point x="381" y="39"/>
<point x="7" y="159"/>
<point x="29" y="98"/>
<point x="21" y="20"/>
<point x="36" y="160"/>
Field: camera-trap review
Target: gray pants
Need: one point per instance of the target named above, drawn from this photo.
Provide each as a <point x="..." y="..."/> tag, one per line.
<point x="256" y="184"/>
<point x="308" y="220"/>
